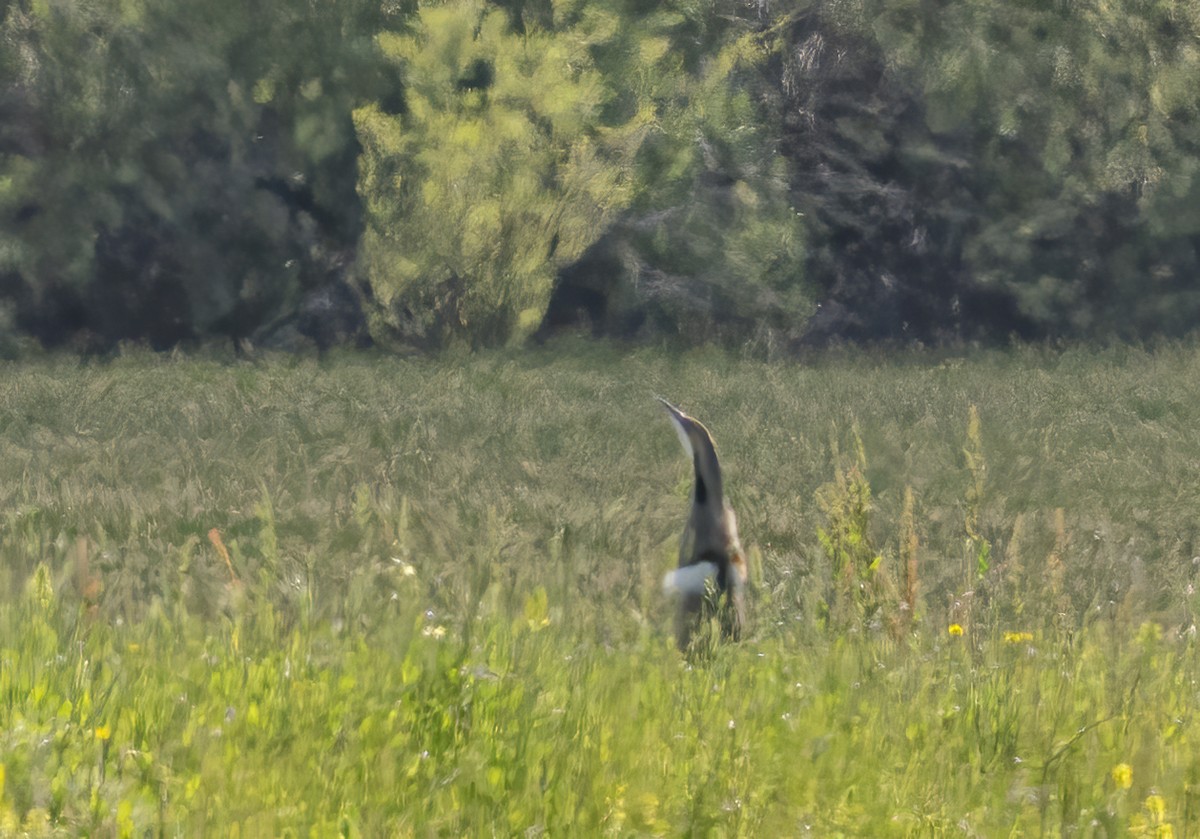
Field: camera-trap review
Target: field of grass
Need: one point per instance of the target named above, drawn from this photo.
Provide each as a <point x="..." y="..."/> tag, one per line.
<point x="372" y="596"/>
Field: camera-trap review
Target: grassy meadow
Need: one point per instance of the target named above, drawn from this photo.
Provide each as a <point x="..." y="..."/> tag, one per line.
<point x="371" y="596"/>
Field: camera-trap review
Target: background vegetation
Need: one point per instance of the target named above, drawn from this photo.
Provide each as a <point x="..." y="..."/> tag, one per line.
<point x="367" y="596"/>
<point x="474" y="172"/>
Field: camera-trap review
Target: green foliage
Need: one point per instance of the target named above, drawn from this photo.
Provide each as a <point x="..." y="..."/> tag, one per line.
<point x="977" y="547"/>
<point x="886" y="200"/>
<point x="444" y="572"/>
<point x="858" y="575"/>
<point x="71" y="99"/>
<point x="164" y="727"/>
<point x="500" y="170"/>
<point x="1085" y="144"/>
<point x="712" y="248"/>
<point x="161" y="179"/>
<point x="980" y="169"/>
<point x="701" y="172"/>
<point x="909" y="562"/>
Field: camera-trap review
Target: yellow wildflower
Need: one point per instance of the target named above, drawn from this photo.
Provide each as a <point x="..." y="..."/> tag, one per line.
<point x="1157" y="806"/>
<point x="1149" y="633"/>
<point x="955" y="629"/>
<point x="103" y="732"/>
<point x="1018" y="637"/>
<point x="1122" y="775"/>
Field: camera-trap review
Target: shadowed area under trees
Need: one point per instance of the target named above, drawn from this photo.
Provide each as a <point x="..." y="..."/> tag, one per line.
<point x="769" y="175"/>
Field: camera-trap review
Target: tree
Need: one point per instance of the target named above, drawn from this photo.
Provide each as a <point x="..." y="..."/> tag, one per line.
<point x="712" y="249"/>
<point x="176" y="171"/>
<point x="501" y="168"/>
<point x="1081" y="127"/>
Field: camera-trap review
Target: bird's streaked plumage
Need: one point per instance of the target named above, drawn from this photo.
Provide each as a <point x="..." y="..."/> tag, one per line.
<point x="709" y="549"/>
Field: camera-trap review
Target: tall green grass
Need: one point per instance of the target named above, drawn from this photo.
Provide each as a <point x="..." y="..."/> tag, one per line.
<point x="373" y="596"/>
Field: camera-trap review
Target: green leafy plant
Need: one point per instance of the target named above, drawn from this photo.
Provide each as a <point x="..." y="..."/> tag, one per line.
<point x="500" y="170"/>
<point x="860" y="582"/>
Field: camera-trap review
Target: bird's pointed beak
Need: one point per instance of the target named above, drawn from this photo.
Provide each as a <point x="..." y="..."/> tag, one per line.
<point x="684" y="426"/>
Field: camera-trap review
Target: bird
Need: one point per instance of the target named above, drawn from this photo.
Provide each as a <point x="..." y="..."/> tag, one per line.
<point x="712" y="566"/>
